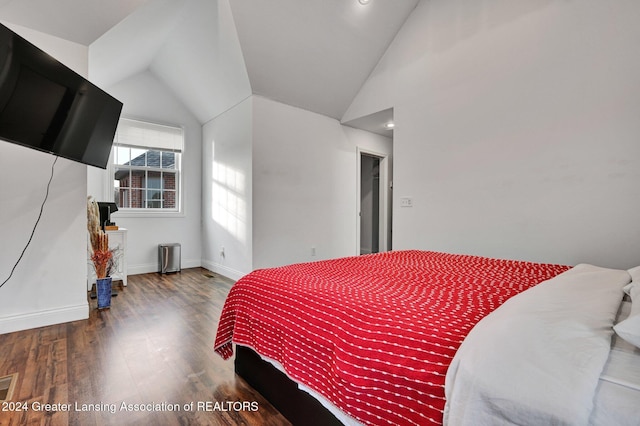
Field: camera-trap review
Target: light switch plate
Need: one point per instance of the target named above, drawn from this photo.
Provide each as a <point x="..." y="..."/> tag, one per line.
<point x="406" y="202"/>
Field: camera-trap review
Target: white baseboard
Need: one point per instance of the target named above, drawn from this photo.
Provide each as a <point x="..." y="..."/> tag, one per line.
<point x="12" y="323"/>
<point x="223" y="270"/>
<point x="146" y="268"/>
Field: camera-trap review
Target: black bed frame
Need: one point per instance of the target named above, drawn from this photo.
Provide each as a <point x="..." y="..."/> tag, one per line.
<point x="296" y="405"/>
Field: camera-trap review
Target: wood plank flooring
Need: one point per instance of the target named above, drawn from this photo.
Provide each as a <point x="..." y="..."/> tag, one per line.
<point x="153" y="346"/>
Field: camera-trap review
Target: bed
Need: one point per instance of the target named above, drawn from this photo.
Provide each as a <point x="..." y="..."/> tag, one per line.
<point x="565" y="352"/>
<point x="370" y="337"/>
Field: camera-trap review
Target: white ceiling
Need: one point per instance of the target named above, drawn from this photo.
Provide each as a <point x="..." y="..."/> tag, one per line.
<point x="80" y="21"/>
<point x="313" y="54"/>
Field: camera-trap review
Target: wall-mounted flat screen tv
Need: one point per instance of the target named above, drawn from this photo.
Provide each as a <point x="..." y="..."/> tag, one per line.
<point x="47" y="106"/>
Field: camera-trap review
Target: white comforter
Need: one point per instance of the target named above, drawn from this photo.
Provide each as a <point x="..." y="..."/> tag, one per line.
<point x="537" y="359"/>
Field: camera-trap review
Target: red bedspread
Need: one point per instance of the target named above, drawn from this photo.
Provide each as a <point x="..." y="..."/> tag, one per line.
<point x="373" y="334"/>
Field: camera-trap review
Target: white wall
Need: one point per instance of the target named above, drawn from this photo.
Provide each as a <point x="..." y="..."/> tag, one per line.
<point x="304" y="184"/>
<point x="146" y="98"/>
<point x="195" y="76"/>
<point x="279" y="180"/>
<point x="49" y="284"/>
<point x="516" y="129"/>
<point x="227" y="192"/>
<point x="204" y="44"/>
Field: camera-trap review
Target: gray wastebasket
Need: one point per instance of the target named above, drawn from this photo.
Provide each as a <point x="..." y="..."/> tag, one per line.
<point x="169" y="257"/>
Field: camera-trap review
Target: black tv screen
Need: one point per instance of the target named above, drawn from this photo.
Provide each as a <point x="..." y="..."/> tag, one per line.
<point x="47" y="106"/>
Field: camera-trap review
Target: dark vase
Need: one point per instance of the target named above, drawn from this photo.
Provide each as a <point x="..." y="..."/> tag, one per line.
<point x="103" y="292"/>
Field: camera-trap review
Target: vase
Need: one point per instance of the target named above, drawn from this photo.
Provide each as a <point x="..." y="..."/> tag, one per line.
<point x="103" y="292"/>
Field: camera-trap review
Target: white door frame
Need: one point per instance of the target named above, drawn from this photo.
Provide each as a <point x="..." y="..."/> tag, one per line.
<point x="385" y="198"/>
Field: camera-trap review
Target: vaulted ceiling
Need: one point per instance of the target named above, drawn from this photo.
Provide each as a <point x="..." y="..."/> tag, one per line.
<point x="312" y="54"/>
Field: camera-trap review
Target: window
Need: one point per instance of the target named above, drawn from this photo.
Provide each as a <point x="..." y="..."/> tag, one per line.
<point x="146" y="166"/>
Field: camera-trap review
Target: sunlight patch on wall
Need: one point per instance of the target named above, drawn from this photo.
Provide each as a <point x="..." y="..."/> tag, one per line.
<point x="228" y="195"/>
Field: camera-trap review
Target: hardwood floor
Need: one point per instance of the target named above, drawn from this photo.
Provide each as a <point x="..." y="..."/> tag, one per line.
<point x="153" y="346"/>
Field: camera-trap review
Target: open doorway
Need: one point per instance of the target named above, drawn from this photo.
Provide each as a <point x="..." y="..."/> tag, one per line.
<point x="369" y="204"/>
<point x="374" y="209"/>
<point x="374" y="175"/>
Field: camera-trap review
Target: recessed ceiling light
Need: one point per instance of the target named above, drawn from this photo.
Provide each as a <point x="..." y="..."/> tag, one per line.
<point x="389" y="126"/>
<point x="364" y="1"/>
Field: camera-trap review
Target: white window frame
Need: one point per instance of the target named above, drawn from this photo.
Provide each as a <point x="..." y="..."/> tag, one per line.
<point x="177" y="149"/>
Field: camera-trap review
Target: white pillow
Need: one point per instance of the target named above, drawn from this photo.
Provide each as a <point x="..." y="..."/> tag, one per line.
<point x="627" y="288"/>
<point x="635" y="273"/>
<point x="629" y="329"/>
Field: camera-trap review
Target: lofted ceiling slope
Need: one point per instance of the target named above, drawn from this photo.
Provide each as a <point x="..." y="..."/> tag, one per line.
<point x="312" y="54"/>
<point x="189" y="45"/>
<point x="80" y="21"/>
<point x="315" y="54"/>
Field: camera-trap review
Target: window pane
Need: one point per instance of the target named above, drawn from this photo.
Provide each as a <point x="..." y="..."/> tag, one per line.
<point x="168" y="160"/>
<point x="145" y="176"/>
<point x="169" y="199"/>
<point x="153" y="158"/>
<point x="154" y="180"/>
<point x="116" y="192"/>
<point x="137" y="179"/>
<point x="138" y="157"/>
<point x="122" y="155"/>
<point x="154" y="195"/>
<point x="137" y="198"/>
<point x="122" y="178"/>
<point x="154" y="199"/>
<point x="169" y="180"/>
<point x="122" y="198"/>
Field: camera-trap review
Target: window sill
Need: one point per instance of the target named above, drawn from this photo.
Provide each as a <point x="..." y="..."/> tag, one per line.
<point x="147" y="213"/>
